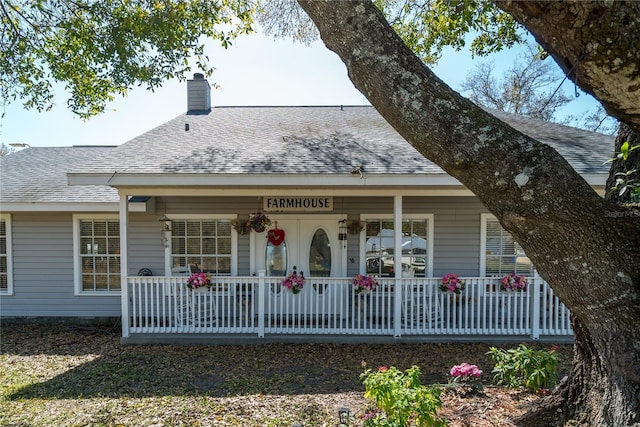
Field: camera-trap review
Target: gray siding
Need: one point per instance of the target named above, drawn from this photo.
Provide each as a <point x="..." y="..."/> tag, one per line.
<point x="43" y="247"/>
<point x="145" y="244"/>
<point x="43" y="271"/>
<point x="456" y="234"/>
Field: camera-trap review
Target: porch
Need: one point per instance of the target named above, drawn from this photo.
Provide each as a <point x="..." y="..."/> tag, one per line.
<point x="259" y="307"/>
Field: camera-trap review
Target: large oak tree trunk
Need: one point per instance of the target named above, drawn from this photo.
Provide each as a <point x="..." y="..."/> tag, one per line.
<point x="585" y="247"/>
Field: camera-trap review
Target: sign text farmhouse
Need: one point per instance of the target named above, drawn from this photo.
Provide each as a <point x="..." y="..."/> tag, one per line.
<point x="297" y="204"/>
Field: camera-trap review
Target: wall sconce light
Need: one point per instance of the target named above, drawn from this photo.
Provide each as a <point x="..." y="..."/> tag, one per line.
<point x="344" y="414"/>
<point x="166" y="230"/>
<point x="342" y="229"/>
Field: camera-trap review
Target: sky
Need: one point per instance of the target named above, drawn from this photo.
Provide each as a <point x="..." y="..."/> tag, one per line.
<point x="255" y="70"/>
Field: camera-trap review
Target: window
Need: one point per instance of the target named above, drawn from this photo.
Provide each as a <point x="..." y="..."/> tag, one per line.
<point x="501" y="253"/>
<point x="417" y="245"/>
<point x="276" y="259"/>
<point x="320" y="255"/>
<point x="6" y="279"/>
<point x="97" y="245"/>
<point x="203" y="244"/>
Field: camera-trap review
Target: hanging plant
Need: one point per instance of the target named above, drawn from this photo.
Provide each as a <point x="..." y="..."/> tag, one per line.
<point x="242" y="227"/>
<point x="259" y="221"/>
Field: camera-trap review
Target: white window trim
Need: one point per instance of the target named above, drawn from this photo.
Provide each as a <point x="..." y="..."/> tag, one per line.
<point x="234" y="237"/>
<point x="430" y="227"/>
<point x="77" y="265"/>
<point x="9" y="230"/>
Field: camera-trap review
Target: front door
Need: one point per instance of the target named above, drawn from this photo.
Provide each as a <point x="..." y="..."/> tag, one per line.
<point x="310" y="245"/>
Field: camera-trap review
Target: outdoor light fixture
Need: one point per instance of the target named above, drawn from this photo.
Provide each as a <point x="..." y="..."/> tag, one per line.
<point x="342" y="229"/>
<point x="166" y="230"/>
<point x="344" y="414"/>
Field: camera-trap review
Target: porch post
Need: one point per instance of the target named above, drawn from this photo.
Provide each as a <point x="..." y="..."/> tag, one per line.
<point x="397" y="262"/>
<point x="535" y="308"/>
<point x="124" y="269"/>
<point x="261" y="302"/>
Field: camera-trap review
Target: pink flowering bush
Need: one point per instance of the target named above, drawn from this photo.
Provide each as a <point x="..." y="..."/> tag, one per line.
<point x="451" y="283"/>
<point x="198" y="280"/>
<point x="294" y="281"/>
<point x="465" y="370"/>
<point x="364" y="283"/>
<point x="466" y="375"/>
<point x="513" y="282"/>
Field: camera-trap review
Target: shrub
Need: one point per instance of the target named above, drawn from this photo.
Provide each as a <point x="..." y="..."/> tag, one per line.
<point x="467" y="376"/>
<point x="401" y="398"/>
<point x="525" y="367"/>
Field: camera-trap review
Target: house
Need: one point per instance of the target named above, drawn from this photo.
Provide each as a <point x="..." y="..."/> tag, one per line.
<point x="111" y="231"/>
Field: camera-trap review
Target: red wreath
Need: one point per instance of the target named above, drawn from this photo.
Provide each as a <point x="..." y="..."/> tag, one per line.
<point x="276" y="236"/>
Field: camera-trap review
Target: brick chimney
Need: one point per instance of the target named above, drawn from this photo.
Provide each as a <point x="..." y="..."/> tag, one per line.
<point x="198" y="94"/>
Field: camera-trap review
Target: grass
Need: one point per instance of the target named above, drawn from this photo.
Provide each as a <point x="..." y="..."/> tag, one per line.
<point x="65" y="376"/>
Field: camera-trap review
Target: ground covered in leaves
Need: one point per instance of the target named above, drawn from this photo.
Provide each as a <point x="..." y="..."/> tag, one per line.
<point x="80" y="376"/>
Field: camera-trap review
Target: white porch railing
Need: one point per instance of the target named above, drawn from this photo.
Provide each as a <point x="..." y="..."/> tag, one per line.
<point x="330" y="306"/>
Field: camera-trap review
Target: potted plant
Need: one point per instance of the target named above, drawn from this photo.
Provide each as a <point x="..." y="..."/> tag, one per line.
<point x="513" y="282"/>
<point x="259" y="221"/>
<point x="242" y="227"/>
<point x="364" y="284"/>
<point x="294" y="281"/>
<point x="452" y="284"/>
<point x="199" y="281"/>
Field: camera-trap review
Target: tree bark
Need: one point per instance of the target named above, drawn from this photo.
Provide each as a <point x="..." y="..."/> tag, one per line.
<point x="590" y="257"/>
<point x="596" y="43"/>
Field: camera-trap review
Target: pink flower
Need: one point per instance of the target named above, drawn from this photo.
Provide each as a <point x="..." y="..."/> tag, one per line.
<point x="465" y="370"/>
<point x="383" y="369"/>
<point x="513" y="281"/>
<point x="369" y="416"/>
<point x="451" y="283"/>
<point x="364" y="283"/>
<point x="198" y="280"/>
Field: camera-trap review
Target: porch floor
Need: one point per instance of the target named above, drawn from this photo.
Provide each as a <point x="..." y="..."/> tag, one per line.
<point x="242" y="339"/>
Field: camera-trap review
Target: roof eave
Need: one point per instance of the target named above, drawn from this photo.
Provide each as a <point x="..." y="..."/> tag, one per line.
<point x="70" y="207"/>
<point x="275" y="180"/>
<point x="262" y="180"/>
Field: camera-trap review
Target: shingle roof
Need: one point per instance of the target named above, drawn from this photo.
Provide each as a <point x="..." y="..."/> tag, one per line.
<point x="39" y="175"/>
<point x="586" y="151"/>
<point x="257" y="140"/>
<point x="328" y="140"/>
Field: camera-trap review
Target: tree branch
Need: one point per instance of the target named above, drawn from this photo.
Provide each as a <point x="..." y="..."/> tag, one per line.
<point x="601" y="40"/>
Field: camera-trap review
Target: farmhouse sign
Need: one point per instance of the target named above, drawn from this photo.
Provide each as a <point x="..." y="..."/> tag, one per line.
<point x="297" y="204"/>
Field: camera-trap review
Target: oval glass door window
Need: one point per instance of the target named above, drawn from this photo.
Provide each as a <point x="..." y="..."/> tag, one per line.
<point x="276" y="262"/>
<point x="320" y="258"/>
